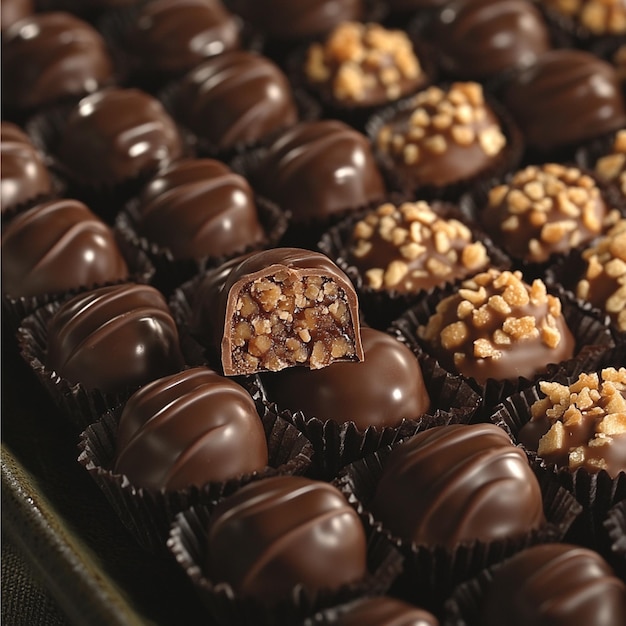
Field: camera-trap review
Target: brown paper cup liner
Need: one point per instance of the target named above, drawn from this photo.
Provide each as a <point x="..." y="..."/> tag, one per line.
<point x="186" y="543"/>
<point x="591" y="334"/>
<point x="148" y="513"/>
<point x="382" y="307"/>
<point x="615" y="527"/>
<point x="432" y="572"/>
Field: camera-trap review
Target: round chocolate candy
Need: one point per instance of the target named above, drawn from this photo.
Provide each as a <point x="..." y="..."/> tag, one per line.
<point x="24" y="174"/>
<point x="235" y="98"/>
<point x="383" y="611"/>
<point x="277" y="533"/>
<point x="458" y="483"/>
<point x="51" y="56"/>
<point x="316" y="170"/>
<point x="13" y="10"/>
<point x="189" y="429"/>
<point x="114" y="338"/>
<point x="57" y="246"/>
<point x="554" y="585"/>
<point x="198" y="208"/>
<point x="117" y="134"/>
<point x="382" y="390"/>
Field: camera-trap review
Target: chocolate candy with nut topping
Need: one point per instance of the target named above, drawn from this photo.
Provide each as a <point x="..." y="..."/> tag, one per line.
<point x="235" y="98"/>
<point x="382" y="390"/>
<point x="13" y="10"/>
<point x="383" y="611"/>
<point x="116" y="135"/>
<point x="25" y="177"/>
<point x="544" y="210"/>
<point x="279" y="308"/>
<point x="565" y="98"/>
<point x="57" y="246"/>
<point x="317" y="170"/>
<point x="497" y="326"/>
<point x="611" y="168"/>
<point x="582" y="424"/>
<point x="458" y="483"/>
<point x="198" y="208"/>
<point x="599" y="17"/>
<point x="189" y="429"/>
<point x="280" y="532"/>
<point x="554" y="585"/>
<point x="51" y="56"/>
<point x="114" y="338"/>
<point x="444" y="137"/>
<point x="411" y="248"/>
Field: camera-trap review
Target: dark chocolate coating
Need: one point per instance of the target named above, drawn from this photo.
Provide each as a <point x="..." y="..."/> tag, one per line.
<point x="318" y="169"/>
<point x="384" y="611"/>
<point x="114" y="338"/>
<point x="188" y="429"/>
<point x="566" y="97"/>
<point x="280" y="532"/>
<point x="13" y="10"/>
<point x="57" y="246"/>
<point x="478" y="39"/>
<point x="288" y="20"/>
<point x="555" y="585"/>
<point x="382" y="390"/>
<point x="24" y="174"/>
<point x="50" y="56"/>
<point x="177" y="35"/>
<point x="458" y="483"/>
<point x="116" y="135"/>
<point x="199" y="208"/>
<point x="236" y="98"/>
<point x="414" y="5"/>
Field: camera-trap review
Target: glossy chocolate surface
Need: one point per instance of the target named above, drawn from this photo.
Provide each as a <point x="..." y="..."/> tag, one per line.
<point x="280" y="532"/>
<point x="458" y="483"/>
<point x="478" y="39"/>
<point x="177" y="35"/>
<point x="114" y="338"/>
<point x="565" y="98"/>
<point x="198" y="208"/>
<point x="116" y="135"/>
<point x="555" y="585"/>
<point x="24" y="174"/>
<point x="51" y="56"/>
<point x="236" y="98"/>
<point x="318" y="169"/>
<point x="384" y="611"/>
<point x="13" y="10"/>
<point x="57" y="246"/>
<point x="189" y="429"/>
<point x="382" y="390"/>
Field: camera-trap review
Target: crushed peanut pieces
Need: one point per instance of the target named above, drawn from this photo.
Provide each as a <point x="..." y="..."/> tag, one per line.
<point x="410" y="247"/>
<point x="589" y="414"/>
<point x="612" y="167"/>
<point x="601" y="17"/>
<point x="360" y="61"/>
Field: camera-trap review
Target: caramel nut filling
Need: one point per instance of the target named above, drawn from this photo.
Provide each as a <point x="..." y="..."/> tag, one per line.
<point x="612" y="167"/>
<point x="600" y="17"/>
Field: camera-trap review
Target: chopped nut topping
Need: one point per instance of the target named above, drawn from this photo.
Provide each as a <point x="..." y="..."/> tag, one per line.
<point x="601" y="17"/>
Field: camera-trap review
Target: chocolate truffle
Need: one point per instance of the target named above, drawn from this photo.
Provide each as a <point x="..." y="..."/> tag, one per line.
<point x="317" y="170"/>
<point x="198" y="208"/>
<point x="458" y="483"/>
<point x="382" y="390"/>
<point x="479" y="39"/>
<point x="582" y="424"/>
<point x="51" y="56"/>
<point x="546" y="209"/>
<point x="13" y="10"/>
<point x="114" y="338"/>
<point x="566" y="97"/>
<point x="235" y="98"/>
<point x="176" y="35"/>
<point x="279" y="308"/>
<point x="115" y="135"/>
<point x="384" y="611"/>
<point x="497" y="326"/>
<point x="442" y="136"/>
<point x="363" y="65"/>
<point x="188" y="429"/>
<point x="24" y="174"/>
<point x="604" y="281"/>
<point x="555" y="585"/>
<point x="288" y="20"/>
<point x="277" y="533"/>
<point x="57" y="246"/>
<point x="611" y="168"/>
<point x="598" y="17"/>
<point x="410" y="248"/>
